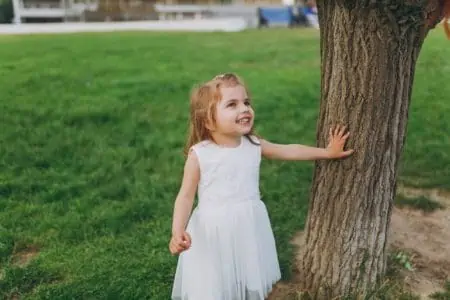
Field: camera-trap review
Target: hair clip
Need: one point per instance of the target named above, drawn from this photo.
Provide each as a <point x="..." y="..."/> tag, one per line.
<point x="224" y="76"/>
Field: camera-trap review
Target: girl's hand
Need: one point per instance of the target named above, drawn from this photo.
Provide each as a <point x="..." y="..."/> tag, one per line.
<point x="179" y="243"/>
<point x="335" y="147"/>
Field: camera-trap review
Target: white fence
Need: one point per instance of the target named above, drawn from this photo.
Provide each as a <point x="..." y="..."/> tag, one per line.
<point x="206" y="25"/>
<point x="51" y="10"/>
<point x="178" y="12"/>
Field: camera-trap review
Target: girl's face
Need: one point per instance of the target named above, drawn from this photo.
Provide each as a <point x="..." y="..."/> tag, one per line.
<point x="234" y="115"/>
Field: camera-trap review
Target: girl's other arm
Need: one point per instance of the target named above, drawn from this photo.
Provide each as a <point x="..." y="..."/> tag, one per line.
<point x="335" y="148"/>
<point x="183" y="204"/>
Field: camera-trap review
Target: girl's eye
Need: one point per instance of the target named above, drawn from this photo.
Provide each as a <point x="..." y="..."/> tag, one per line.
<point x="247" y="103"/>
<point x="232" y="104"/>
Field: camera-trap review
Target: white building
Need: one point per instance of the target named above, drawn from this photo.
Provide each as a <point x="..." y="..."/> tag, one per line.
<point x="66" y="10"/>
<point x="58" y="10"/>
<point x="125" y="10"/>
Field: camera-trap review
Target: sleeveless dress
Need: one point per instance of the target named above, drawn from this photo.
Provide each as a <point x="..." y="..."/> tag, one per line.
<point x="233" y="254"/>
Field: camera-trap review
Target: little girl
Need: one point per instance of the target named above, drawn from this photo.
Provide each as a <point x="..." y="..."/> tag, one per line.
<point x="227" y="248"/>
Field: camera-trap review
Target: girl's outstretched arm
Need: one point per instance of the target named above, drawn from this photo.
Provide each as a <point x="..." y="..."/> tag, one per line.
<point x="335" y="148"/>
<point x="181" y="240"/>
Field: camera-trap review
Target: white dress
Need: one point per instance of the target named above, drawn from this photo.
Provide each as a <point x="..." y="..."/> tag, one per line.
<point x="233" y="254"/>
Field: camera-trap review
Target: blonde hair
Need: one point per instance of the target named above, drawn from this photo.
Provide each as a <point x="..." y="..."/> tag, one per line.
<point x="203" y="103"/>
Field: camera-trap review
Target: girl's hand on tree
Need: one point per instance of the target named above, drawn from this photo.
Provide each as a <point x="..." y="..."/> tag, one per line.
<point x="336" y="144"/>
<point x="179" y="243"/>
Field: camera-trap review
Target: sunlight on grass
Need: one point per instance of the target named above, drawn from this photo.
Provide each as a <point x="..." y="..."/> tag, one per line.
<point x="92" y="131"/>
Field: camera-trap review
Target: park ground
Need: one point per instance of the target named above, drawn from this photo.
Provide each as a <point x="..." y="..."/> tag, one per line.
<point x="92" y="131"/>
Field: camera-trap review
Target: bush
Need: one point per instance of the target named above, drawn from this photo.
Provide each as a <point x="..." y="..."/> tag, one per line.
<point x="6" y="11"/>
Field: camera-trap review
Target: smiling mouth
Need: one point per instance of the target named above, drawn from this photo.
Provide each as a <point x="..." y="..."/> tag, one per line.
<point x="244" y="121"/>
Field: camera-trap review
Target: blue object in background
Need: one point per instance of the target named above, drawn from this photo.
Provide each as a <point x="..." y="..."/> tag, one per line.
<point x="308" y="11"/>
<point x="283" y="15"/>
<point x="277" y="15"/>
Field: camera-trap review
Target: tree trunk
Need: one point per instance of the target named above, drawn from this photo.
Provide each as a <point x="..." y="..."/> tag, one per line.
<point x="369" y="52"/>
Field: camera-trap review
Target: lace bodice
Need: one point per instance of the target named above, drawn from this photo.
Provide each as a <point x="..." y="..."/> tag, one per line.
<point x="228" y="175"/>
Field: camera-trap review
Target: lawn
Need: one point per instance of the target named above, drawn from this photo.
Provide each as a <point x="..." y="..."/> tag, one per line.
<point x="92" y="131"/>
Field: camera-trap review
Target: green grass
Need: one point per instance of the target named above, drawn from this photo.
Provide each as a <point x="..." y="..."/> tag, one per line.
<point x="420" y="203"/>
<point x="92" y="130"/>
<point x="444" y="295"/>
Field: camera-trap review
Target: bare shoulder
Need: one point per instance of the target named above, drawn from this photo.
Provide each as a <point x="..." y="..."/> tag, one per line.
<point x="192" y="163"/>
<point x="191" y="174"/>
<point x="191" y="177"/>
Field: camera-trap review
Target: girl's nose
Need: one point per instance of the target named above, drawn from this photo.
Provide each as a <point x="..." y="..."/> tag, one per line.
<point x="243" y="108"/>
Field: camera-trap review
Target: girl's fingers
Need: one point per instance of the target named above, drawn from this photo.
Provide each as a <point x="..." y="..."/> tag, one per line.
<point x="175" y="247"/>
<point x="336" y="130"/>
<point x="347" y="153"/>
<point x="187" y="238"/>
<point x="181" y="242"/>
<point x="184" y="245"/>
<point x="178" y="248"/>
<point x="341" y="132"/>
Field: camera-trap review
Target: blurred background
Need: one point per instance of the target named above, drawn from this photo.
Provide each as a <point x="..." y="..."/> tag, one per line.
<point x="254" y="13"/>
<point x="93" y="124"/>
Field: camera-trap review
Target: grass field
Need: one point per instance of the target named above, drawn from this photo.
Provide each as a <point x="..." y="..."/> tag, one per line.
<point x="92" y="130"/>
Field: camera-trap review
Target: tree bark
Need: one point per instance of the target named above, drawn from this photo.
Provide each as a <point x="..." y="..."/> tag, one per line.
<point x="369" y="50"/>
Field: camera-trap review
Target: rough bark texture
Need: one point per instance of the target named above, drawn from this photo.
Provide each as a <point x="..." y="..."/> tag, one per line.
<point x="369" y="50"/>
